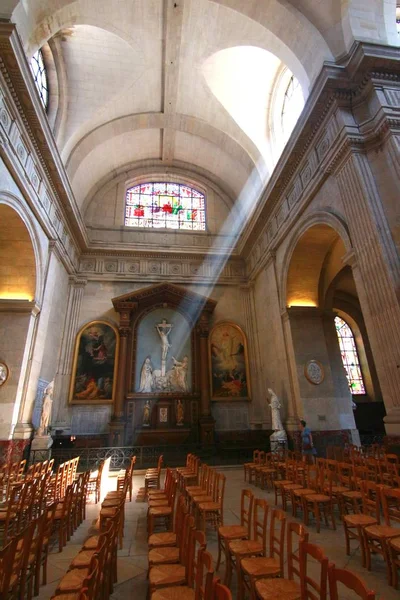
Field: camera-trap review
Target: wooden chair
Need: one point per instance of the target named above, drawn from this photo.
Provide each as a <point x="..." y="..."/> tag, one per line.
<point x="252" y="469"/>
<point x="195" y="496"/>
<point x="286" y="589"/>
<point x="297" y="483"/>
<point x="179" y="574"/>
<point x="201" y="577"/>
<point x="376" y="537"/>
<point x="228" y="533"/>
<point x="354" y="523"/>
<point x="94" y="483"/>
<point x="315" y="502"/>
<point x="349" y="580"/>
<point x="288" y="471"/>
<point x="10" y="514"/>
<point x="239" y="549"/>
<point x="221" y="592"/>
<point x="259" y="567"/>
<point x="248" y="465"/>
<point x="42" y="549"/>
<point x="212" y="511"/>
<point x="164" y="512"/>
<point x="170" y="538"/>
<point x="310" y="588"/>
<point x="62" y="518"/>
<point x="75" y="580"/>
<point x="172" y="554"/>
<point x="152" y="476"/>
<point x="311" y="487"/>
<point x="161" y="497"/>
<point x="269" y="471"/>
<point x="394" y="559"/>
<point x="18" y="565"/>
<point x="7" y="557"/>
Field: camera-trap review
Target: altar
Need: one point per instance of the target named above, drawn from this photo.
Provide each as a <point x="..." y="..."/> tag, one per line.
<point x="163" y="380"/>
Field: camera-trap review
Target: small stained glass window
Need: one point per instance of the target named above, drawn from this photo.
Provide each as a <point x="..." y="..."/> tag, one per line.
<point x="165" y="206"/>
<point x="293" y="103"/>
<point x="398" y="19"/>
<point x="350" y="358"/>
<point x="39" y="74"/>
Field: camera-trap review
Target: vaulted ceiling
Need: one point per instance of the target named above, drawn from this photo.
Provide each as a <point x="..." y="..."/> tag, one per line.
<point x="188" y="82"/>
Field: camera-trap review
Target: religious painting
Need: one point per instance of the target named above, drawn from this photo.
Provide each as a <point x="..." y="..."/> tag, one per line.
<point x="229" y="372"/>
<point x="95" y="362"/>
<point x="163" y="353"/>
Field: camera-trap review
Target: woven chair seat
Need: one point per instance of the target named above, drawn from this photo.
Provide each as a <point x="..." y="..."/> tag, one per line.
<point x="67" y="596"/>
<point x="261" y="566"/>
<point x="181" y="592"/>
<point x="91" y="543"/>
<point x="73" y="580"/>
<point x="395" y="543"/>
<point x="232" y="532"/>
<point x="379" y="531"/>
<point x="167" y="575"/>
<point x="82" y="559"/>
<point x="246" y="547"/>
<point x="156" y="503"/>
<point x="303" y="492"/>
<point x="210" y="506"/>
<point x="284" y="589"/>
<point x="359" y="520"/>
<point x="317" y="498"/>
<point x="165" y="538"/>
<point x="160" y="511"/>
<point x="164" y="555"/>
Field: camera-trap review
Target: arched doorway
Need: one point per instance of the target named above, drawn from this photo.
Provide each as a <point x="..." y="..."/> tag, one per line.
<point x="319" y="287"/>
<point x="18" y="285"/>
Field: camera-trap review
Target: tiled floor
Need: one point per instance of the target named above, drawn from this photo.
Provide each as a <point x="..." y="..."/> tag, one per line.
<point x="132" y="562"/>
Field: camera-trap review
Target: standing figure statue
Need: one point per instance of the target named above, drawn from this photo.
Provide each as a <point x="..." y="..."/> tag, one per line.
<point x="275" y="406"/>
<point x="146" y="414"/>
<point x="146" y="376"/>
<point x="46" y="410"/>
<point x="180" y="414"/>
<point x="179" y="374"/>
<point x="163" y="330"/>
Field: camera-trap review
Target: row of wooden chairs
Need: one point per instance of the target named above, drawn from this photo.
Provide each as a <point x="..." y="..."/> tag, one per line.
<point x="64" y="477"/>
<point x="152" y="476"/>
<point x="257" y="556"/>
<point x="206" y="499"/>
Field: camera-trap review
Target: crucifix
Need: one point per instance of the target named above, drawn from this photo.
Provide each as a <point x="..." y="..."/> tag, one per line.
<point x="164" y="329"/>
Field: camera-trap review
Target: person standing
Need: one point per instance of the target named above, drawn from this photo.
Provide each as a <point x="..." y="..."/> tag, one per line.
<point x="307" y="445"/>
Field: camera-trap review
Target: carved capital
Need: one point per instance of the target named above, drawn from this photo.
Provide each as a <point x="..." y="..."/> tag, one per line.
<point x="203" y="325"/>
<point x="124" y="331"/>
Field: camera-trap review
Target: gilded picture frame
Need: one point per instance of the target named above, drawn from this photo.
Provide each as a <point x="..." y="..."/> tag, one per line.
<point x="94" y="370"/>
<point x="228" y="362"/>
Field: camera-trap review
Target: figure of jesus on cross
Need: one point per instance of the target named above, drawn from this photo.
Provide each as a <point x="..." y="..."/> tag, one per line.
<point x="164" y="329"/>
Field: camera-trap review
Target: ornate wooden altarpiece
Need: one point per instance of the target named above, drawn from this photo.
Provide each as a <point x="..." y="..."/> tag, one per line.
<point x="127" y="425"/>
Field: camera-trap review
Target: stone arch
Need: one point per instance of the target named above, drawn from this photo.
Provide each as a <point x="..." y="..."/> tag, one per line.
<point x="23" y="248"/>
<point x="320" y="229"/>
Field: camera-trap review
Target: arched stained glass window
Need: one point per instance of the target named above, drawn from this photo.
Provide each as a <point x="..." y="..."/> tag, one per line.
<point x="293" y="103"/>
<point x="165" y="206"/>
<point x="39" y="74"/>
<point x="350" y="358"/>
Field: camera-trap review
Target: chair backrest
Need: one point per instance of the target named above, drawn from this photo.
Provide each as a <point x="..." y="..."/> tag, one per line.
<point x="277" y="530"/>
<point x="260" y="516"/>
<point x="21" y="468"/>
<point x="204" y="575"/>
<point x="221" y="592"/>
<point x="160" y="463"/>
<point x="188" y="525"/>
<point x="370" y="493"/>
<point x="246" y="509"/>
<point x="180" y="512"/>
<point x="310" y="588"/>
<point x="50" y="465"/>
<point x="197" y="541"/>
<point x="345" y="471"/>
<point x="256" y="455"/>
<point x="90" y="582"/>
<point x="14" y="506"/>
<point x="7" y="556"/>
<point x="390" y="498"/>
<point x="219" y="489"/>
<point x="313" y="477"/>
<point x="350" y="580"/>
<point x="261" y="457"/>
<point x="293" y="558"/>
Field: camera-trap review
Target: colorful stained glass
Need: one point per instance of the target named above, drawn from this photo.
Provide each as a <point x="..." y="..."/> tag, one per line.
<point x="350" y="358"/>
<point x="39" y="74"/>
<point x="165" y="205"/>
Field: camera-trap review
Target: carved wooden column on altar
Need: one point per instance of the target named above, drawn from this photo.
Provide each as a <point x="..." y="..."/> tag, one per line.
<point x="117" y="425"/>
<point x="207" y="422"/>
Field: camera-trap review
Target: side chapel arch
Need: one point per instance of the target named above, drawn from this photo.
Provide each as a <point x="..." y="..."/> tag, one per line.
<point x="132" y="308"/>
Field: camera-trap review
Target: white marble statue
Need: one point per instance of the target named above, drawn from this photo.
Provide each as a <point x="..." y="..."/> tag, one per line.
<point x="146" y="376"/>
<point x="46" y="410"/>
<point x="275" y="407"/>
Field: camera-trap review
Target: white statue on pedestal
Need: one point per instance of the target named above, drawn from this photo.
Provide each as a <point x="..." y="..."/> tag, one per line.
<point x="42" y="439"/>
<point x="279" y="437"/>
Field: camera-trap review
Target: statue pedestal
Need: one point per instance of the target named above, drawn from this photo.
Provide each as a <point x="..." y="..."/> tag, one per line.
<point x="278" y="440"/>
<point x="41" y="446"/>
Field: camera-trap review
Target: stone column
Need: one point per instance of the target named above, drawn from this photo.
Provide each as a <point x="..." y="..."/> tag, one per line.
<point x="257" y="415"/>
<point x="117" y="425"/>
<point x="61" y="418"/>
<point x="207" y="423"/>
<point x="377" y="275"/>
